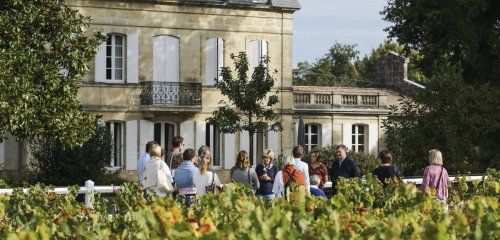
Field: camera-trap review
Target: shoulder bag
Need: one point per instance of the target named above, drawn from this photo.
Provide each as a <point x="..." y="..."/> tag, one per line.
<point x="163" y="184"/>
<point x="212" y="188"/>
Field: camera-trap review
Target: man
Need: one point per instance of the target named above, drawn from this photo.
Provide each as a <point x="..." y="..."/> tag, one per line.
<point x="203" y="151"/>
<point x="343" y="166"/>
<point x="177" y="144"/>
<point x="184" y="176"/>
<point x="315" y="190"/>
<point x="143" y="159"/>
<point x="298" y="152"/>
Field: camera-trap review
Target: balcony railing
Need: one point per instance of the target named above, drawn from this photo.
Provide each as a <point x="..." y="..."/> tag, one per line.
<point x="333" y="100"/>
<point x="170" y="94"/>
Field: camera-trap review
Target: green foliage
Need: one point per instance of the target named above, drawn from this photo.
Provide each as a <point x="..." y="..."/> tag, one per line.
<point x="361" y="210"/>
<point x="464" y="33"/>
<point x="459" y="119"/>
<point x="250" y="105"/>
<point x="54" y="163"/>
<point x="44" y="51"/>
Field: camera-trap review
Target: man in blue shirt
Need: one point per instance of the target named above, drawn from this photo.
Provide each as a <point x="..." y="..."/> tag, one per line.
<point x="315" y="190"/>
<point x="143" y="159"/>
<point x="183" y="177"/>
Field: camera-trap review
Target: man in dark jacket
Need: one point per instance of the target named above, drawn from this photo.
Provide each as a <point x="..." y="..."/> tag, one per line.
<point x="343" y="166"/>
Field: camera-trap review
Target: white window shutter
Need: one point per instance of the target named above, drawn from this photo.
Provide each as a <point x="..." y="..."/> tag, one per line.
<point x="295" y="133"/>
<point x="253" y="56"/>
<point x="210" y="61"/>
<point x="373" y="139"/>
<point x="347" y="135"/>
<point x="263" y="50"/>
<point x="146" y="134"/>
<point x="273" y="142"/>
<point x="200" y="134"/>
<point x="172" y="60"/>
<point x="187" y="132"/>
<point x="159" y="59"/>
<point x="229" y="151"/>
<point x="131" y="153"/>
<point x="220" y="57"/>
<point x="100" y="63"/>
<point x="133" y="58"/>
<point x="326" y="134"/>
<point x="244" y="143"/>
<point x="2" y="155"/>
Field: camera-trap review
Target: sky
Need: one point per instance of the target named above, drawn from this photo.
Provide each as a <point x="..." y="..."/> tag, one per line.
<point x="319" y="23"/>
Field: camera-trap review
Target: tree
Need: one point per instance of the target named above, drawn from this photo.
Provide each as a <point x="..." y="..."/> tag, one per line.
<point x="54" y="163"/>
<point x="44" y="51"/>
<point x="465" y="33"/>
<point x="250" y="97"/>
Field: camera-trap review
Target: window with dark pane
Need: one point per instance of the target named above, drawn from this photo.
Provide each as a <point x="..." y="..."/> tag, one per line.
<point x="312" y="137"/>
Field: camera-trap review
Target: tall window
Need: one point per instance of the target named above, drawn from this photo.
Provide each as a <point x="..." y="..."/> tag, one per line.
<point x="312" y="137"/>
<point x="115" y="57"/>
<point x="214" y="60"/>
<point x="163" y="134"/>
<point x="166" y="52"/>
<point x="358" y="138"/>
<point x="258" y="52"/>
<point x="212" y="140"/>
<point x="117" y="139"/>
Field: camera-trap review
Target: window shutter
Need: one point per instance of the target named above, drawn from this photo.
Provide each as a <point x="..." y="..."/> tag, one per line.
<point x="295" y="133"/>
<point x="373" y="139"/>
<point x="326" y="134"/>
<point x="273" y="142"/>
<point x="2" y="155"/>
<point x="187" y="132"/>
<point x="229" y="151"/>
<point x="146" y="134"/>
<point x="253" y="56"/>
<point x="131" y="152"/>
<point x="133" y="58"/>
<point x="159" y="59"/>
<point x="220" y="57"/>
<point x="172" y="58"/>
<point x="211" y="55"/>
<point x="347" y="135"/>
<point x="200" y="134"/>
<point x="100" y="63"/>
<point x="263" y="50"/>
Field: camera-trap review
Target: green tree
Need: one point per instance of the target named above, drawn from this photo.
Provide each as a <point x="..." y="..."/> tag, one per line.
<point x="251" y="98"/>
<point x="465" y="33"/>
<point x="301" y="75"/>
<point x="54" y="163"/>
<point x="44" y="51"/>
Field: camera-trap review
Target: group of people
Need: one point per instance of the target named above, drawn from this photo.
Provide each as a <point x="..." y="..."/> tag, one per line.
<point x="188" y="173"/>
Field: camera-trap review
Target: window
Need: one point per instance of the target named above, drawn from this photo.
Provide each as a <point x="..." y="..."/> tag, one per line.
<point x="258" y="52"/>
<point x="214" y="60"/>
<point x="312" y="137"/>
<point x="115" y="57"/>
<point x="117" y="140"/>
<point x="166" y="58"/>
<point x="163" y="134"/>
<point x="212" y="140"/>
<point x="358" y="138"/>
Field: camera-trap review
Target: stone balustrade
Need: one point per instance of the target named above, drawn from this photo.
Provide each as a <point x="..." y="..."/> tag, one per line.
<point x="338" y="100"/>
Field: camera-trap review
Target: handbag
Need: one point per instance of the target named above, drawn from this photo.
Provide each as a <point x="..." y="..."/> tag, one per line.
<point x="163" y="184"/>
<point x="212" y="188"/>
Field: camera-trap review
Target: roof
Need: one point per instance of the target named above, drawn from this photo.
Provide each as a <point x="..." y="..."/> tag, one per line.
<point x="282" y="4"/>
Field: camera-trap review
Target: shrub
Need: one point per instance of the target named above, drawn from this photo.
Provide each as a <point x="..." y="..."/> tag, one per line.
<point x="54" y="163"/>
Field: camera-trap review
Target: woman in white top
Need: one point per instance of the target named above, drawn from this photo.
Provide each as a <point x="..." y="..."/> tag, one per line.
<point x="204" y="177"/>
<point x="150" y="177"/>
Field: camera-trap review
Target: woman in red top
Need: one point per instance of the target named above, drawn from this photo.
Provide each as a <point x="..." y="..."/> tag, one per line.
<point x="316" y="167"/>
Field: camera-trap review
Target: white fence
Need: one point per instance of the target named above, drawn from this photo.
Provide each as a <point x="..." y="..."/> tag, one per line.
<point x="89" y="189"/>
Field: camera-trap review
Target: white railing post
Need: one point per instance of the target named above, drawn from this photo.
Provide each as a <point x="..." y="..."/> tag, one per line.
<point x="89" y="193"/>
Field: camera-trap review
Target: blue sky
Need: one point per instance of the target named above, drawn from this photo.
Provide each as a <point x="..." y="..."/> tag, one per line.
<point x="322" y="22"/>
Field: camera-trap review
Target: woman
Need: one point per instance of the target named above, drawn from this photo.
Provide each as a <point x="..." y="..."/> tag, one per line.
<point x="205" y="177"/>
<point x="266" y="171"/>
<point x="288" y="175"/>
<point x="385" y="169"/>
<point x="242" y="173"/>
<point x="436" y="176"/>
<point x="151" y="171"/>
<point x="316" y="167"/>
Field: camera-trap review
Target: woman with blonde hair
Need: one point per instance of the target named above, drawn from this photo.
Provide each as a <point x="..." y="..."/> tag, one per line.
<point x="153" y="167"/>
<point x="287" y="176"/>
<point x="205" y="177"/>
<point x="435" y="176"/>
<point x="243" y="173"/>
<point x="266" y="171"/>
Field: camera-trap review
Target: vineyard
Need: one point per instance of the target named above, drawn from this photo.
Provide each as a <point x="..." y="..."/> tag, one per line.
<point x="360" y="210"/>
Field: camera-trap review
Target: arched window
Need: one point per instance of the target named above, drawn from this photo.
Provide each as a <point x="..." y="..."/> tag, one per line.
<point x="115" y="57"/>
<point x="312" y="132"/>
<point x="359" y="138"/>
<point x="117" y="139"/>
